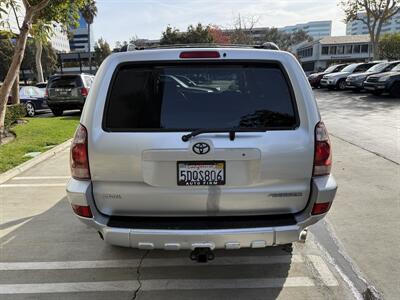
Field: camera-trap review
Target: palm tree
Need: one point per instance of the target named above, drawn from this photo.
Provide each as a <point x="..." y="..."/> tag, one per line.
<point x="89" y="11"/>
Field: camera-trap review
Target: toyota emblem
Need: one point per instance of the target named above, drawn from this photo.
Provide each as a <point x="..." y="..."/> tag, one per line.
<point x="201" y="148"/>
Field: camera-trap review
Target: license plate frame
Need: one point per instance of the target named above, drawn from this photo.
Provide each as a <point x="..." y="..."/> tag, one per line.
<point x="220" y="164"/>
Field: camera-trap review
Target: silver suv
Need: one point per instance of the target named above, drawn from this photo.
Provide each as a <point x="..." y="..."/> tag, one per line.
<point x="237" y="158"/>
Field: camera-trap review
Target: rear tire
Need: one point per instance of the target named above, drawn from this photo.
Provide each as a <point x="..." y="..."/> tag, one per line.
<point x="395" y="90"/>
<point x="57" y="111"/>
<point x="341" y="85"/>
<point x="30" y="110"/>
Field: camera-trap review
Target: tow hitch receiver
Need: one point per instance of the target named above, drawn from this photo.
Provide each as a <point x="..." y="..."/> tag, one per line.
<point x="202" y="255"/>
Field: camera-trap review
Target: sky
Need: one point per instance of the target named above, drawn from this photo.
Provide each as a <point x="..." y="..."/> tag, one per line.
<point x="120" y="20"/>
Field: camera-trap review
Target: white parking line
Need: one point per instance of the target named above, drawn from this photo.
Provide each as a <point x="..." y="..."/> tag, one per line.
<point x="154" y="285"/>
<point x="32" y="185"/>
<point x="149" y="262"/>
<point x="40" y="177"/>
<point x="68" y="287"/>
<point x="325" y="274"/>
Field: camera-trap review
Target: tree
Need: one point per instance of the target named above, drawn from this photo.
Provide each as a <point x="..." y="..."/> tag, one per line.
<point x="49" y="57"/>
<point x="389" y="46"/>
<point x="101" y="51"/>
<point x="198" y="34"/>
<point x="89" y="11"/>
<point x="34" y="10"/>
<point x="171" y="36"/>
<point x="243" y="27"/>
<point x="219" y="36"/>
<point x="285" y="40"/>
<point x="299" y="36"/>
<point x="31" y="10"/>
<point x="373" y="13"/>
<point x="6" y="52"/>
<point x="41" y="32"/>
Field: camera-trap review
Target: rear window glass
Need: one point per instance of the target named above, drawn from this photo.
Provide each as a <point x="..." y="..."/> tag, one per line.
<point x="65" y="82"/>
<point x="188" y="97"/>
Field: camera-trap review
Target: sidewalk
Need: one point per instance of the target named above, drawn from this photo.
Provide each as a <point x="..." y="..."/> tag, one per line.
<point x="366" y="214"/>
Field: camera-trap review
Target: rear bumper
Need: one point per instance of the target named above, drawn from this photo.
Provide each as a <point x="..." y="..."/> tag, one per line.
<point x="323" y="190"/>
<point x="66" y="104"/>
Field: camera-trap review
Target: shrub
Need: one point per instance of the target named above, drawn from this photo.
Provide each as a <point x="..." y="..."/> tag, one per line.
<point x="13" y="113"/>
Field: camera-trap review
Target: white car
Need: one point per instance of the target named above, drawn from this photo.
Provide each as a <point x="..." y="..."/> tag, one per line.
<point x="156" y="165"/>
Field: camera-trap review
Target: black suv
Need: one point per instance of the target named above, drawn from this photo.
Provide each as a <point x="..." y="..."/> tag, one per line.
<point x="385" y="82"/>
<point x="68" y="91"/>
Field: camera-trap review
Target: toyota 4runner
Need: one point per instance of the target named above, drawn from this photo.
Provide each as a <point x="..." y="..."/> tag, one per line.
<point x="237" y="158"/>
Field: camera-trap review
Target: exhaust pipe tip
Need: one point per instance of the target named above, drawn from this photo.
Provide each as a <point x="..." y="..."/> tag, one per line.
<point x="303" y="235"/>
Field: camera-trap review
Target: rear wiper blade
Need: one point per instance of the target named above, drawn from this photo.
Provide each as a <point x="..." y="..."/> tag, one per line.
<point x="231" y="130"/>
<point x="232" y="133"/>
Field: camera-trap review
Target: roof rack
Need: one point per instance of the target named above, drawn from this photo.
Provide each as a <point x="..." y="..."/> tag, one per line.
<point x="266" y="45"/>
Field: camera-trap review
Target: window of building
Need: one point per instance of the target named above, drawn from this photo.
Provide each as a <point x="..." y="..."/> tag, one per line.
<point x="305" y="52"/>
<point x="332" y="50"/>
<point x="348" y="49"/>
<point x="364" y="48"/>
<point x="340" y="50"/>
<point x="356" y="49"/>
<point x="325" y="50"/>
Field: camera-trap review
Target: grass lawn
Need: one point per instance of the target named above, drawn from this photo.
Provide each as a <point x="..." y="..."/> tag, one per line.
<point x="35" y="136"/>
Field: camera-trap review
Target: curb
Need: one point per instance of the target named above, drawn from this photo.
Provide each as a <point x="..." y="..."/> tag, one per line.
<point x="33" y="162"/>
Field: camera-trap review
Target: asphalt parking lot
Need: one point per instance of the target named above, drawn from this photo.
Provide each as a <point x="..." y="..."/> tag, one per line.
<point x="47" y="254"/>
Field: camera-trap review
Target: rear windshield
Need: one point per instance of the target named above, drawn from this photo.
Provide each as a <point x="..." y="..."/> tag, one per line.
<point x="65" y="82"/>
<point x="192" y="96"/>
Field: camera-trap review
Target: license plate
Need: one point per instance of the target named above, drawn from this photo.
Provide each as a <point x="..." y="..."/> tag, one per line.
<point x="369" y="88"/>
<point x="192" y="173"/>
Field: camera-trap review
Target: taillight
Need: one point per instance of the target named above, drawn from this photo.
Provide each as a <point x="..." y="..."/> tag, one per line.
<point x="46" y="93"/>
<point x="83" y="211"/>
<point x="84" y="92"/>
<point x="199" y="54"/>
<point x="320" y="208"/>
<point x="323" y="151"/>
<point x="79" y="159"/>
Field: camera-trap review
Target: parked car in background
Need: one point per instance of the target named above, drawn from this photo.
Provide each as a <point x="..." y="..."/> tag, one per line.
<point x="338" y="80"/>
<point x="356" y="81"/>
<point x="384" y="82"/>
<point x="33" y="98"/>
<point x="68" y="91"/>
<point x="42" y="86"/>
<point x="315" y="79"/>
<point x="157" y="166"/>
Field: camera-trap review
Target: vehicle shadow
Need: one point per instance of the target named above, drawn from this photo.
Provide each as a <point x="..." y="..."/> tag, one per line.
<point x="57" y="235"/>
<point x="70" y="118"/>
<point x="49" y="114"/>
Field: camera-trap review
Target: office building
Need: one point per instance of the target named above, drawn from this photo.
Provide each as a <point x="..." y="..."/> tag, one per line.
<point x="318" y="55"/>
<point x="315" y="29"/>
<point x="358" y="27"/>
<point x="80" y="37"/>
